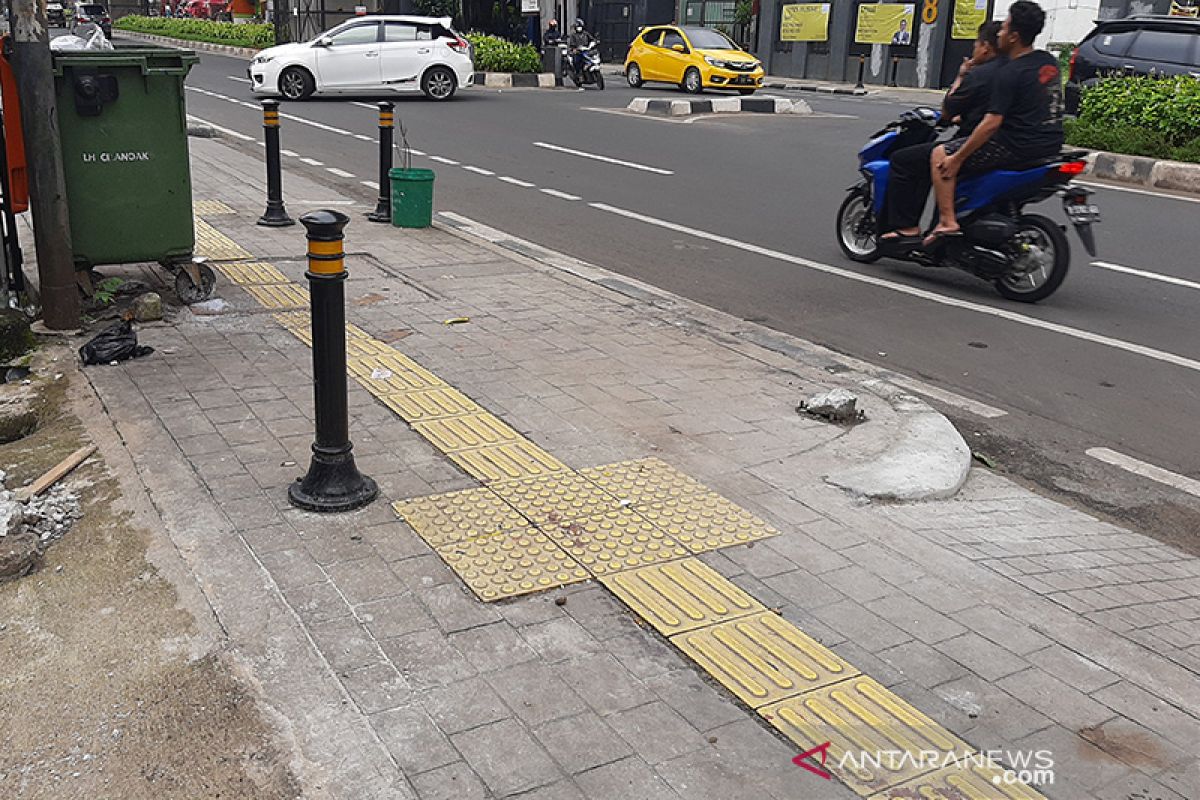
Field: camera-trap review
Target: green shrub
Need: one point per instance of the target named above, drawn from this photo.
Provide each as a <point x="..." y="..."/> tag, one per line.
<point x="1119" y="138"/>
<point x="1167" y="106"/>
<point x="201" y="30"/>
<point x="1187" y="152"/>
<point x="493" y="54"/>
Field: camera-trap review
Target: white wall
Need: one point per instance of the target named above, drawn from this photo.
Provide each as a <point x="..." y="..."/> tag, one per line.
<point x="1066" y="20"/>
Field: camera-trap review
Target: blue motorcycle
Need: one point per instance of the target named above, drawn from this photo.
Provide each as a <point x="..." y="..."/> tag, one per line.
<point x="1025" y="256"/>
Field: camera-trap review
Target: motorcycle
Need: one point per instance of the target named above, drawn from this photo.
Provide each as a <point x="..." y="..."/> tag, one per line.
<point x="589" y="71"/>
<point x="1024" y="256"/>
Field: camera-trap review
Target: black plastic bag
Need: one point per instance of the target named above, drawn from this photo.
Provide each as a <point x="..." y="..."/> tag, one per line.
<point x="117" y="342"/>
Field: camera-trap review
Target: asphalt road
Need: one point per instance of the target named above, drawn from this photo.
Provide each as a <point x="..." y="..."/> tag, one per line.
<point x="737" y="213"/>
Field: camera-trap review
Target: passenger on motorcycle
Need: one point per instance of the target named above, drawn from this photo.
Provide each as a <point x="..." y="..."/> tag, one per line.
<point x="966" y="102"/>
<point x="1023" y="123"/>
<point x="579" y="40"/>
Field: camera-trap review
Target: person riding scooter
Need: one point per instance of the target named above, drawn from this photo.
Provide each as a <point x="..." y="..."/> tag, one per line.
<point x="579" y="40"/>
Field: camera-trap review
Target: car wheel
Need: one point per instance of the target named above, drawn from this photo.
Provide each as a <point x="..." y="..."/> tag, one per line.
<point x="634" y="75"/>
<point x="296" y="83"/>
<point x="438" y="84"/>
<point x="692" y="82"/>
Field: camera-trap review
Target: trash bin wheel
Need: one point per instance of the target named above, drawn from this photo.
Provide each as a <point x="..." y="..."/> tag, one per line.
<point x="186" y="288"/>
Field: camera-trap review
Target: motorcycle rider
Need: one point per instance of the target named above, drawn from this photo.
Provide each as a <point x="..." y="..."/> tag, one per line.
<point x="579" y="40"/>
<point x="965" y="103"/>
<point x="1023" y="122"/>
<point x="553" y="35"/>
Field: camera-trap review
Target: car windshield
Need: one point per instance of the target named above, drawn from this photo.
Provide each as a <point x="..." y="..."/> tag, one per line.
<point x="92" y="11"/>
<point x="707" y="39"/>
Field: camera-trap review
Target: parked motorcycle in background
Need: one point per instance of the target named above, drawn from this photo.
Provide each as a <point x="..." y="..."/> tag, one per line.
<point x="589" y="71"/>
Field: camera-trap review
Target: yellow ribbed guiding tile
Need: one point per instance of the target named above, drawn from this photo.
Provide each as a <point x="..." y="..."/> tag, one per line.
<point x="466" y="433"/>
<point x="451" y="517"/>
<point x="860" y="717"/>
<point x="642" y="481"/>
<point x="384" y="375"/>
<point x="763" y="658"/>
<point x="421" y="406"/>
<point x="968" y="781"/>
<point x="363" y="346"/>
<point x="681" y="595"/>
<point x="252" y="272"/>
<point x="511" y="563"/>
<point x="706" y="521"/>
<point x="286" y="295"/>
<point x="614" y="542"/>
<point x="519" y="459"/>
<point x="557" y="498"/>
<point x="211" y="243"/>
<point x="210" y="208"/>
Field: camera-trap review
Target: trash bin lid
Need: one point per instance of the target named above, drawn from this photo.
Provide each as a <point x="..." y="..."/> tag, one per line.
<point x="151" y="60"/>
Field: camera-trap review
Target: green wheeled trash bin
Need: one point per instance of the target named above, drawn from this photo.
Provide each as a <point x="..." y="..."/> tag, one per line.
<point x="125" y="157"/>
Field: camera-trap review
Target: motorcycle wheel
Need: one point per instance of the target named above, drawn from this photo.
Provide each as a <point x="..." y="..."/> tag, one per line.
<point x="856" y="232"/>
<point x="599" y="80"/>
<point x="1042" y="256"/>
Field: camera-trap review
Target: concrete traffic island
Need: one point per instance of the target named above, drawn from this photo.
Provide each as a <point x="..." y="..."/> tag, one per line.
<point x="717" y="105"/>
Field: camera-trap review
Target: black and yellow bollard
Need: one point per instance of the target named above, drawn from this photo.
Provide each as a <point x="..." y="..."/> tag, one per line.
<point x="333" y="482"/>
<point x="862" y="63"/>
<point x="276" y="215"/>
<point x="383" y="208"/>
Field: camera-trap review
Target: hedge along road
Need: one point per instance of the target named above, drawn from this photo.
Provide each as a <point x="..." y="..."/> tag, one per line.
<point x="745" y="190"/>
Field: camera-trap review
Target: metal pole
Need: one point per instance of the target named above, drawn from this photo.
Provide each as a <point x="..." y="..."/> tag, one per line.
<point x="333" y="482"/>
<point x="862" y="63"/>
<point x="47" y="183"/>
<point x="276" y="215"/>
<point x="895" y="67"/>
<point x="383" y="208"/>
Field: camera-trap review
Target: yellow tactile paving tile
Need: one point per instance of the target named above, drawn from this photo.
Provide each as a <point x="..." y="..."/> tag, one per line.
<point x="642" y="481"/>
<point x="386" y="375"/>
<point x="364" y="346"/>
<point x="763" y="658"/>
<point x="421" y="406"/>
<point x="451" y="517"/>
<point x="286" y="295"/>
<point x="511" y="563"/>
<point x="466" y="433"/>
<point x="614" y="542"/>
<point x="557" y="498"/>
<point x="860" y="717"/>
<point x="706" y="521"/>
<point x="211" y="243"/>
<point x="210" y="208"/>
<point x="681" y="596"/>
<point x="519" y="459"/>
<point x="252" y="272"/>
<point x="966" y="781"/>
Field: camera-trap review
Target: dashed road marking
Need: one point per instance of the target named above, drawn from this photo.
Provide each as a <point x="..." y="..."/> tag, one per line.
<point x="226" y="131"/>
<point x="444" y="160"/>
<point x="478" y="170"/>
<point x="341" y="173"/>
<point x="370" y="185"/>
<point x="1147" y="470"/>
<point x="289" y="153"/>
<point x="1141" y="273"/>
<point x="312" y="162"/>
<point x="1132" y="190"/>
<point x="516" y="182"/>
<point x="561" y="195"/>
<point x="606" y="159"/>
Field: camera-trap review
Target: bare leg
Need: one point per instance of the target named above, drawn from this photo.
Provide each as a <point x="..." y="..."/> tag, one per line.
<point x="943" y="192"/>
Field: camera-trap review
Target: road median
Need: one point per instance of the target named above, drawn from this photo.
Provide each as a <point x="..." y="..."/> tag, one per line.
<point x="1148" y="173"/>
<point x="717" y="105"/>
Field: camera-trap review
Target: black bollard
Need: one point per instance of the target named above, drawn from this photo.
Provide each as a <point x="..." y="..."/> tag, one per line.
<point x="862" y="63"/>
<point x="333" y="482"/>
<point x="895" y="67"/>
<point x="276" y="215"/>
<point x="383" y="208"/>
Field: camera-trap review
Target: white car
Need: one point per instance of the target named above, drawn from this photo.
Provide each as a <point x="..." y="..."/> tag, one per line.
<point x="369" y="55"/>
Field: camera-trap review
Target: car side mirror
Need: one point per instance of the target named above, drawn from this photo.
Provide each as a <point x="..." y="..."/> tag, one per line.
<point x="323" y="41"/>
<point x="678" y="48"/>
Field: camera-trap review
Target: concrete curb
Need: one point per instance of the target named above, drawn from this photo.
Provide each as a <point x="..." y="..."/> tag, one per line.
<point x="1150" y="173"/>
<point x="717" y="105"/>
<point x="515" y="80"/>
<point x="792" y="87"/>
<point x="207" y="47"/>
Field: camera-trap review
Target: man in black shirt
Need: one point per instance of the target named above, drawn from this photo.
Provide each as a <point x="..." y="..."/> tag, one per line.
<point x="1023" y="122"/>
<point x="966" y="102"/>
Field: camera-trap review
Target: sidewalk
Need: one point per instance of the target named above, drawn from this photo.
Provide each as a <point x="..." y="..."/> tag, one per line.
<point x="420" y="657"/>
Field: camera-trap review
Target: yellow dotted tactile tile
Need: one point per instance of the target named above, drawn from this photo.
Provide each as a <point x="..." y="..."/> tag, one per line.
<point x="385" y="374"/>
<point x="252" y="272"/>
<point x="213" y="244"/>
<point x="364" y="346"/>
<point x="970" y="781"/>
<point x="681" y="595"/>
<point x="557" y="498"/>
<point x="763" y="658"/>
<point x="443" y="518"/>
<point x="210" y="208"/>
<point x="614" y="542"/>
<point x="466" y="433"/>
<point x="286" y="295"/>
<point x="511" y="563"/>
<point x="643" y="481"/>
<point x="421" y="406"/>
<point x="859" y="716"/>
<point x="706" y="521"/>
<point x="519" y="459"/>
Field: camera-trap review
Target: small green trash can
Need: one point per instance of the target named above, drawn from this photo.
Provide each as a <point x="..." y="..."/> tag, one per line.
<point x="412" y="197"/>
<point x="125" y="153"/>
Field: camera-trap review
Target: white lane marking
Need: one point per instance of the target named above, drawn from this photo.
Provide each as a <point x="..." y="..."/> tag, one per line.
<point x="561" y="195"/>
<point x="606" y="159"/>
<point x="226" y="131"/>
<point x="1141" y="273"/>
<point x="341" y="173"/>
<point x="1002" y="313"/>
<point x="1138" y="467"/>
<point x="478" y="170"/>
<point x="318" y="125"/>
<point x="236" y="78"/>
<point x="515" y="182"/>
<point x="444" y="160"/>
<point x="652" y="117"/>
<point x="312" y="162"/>
<point x="370" y="185"/>
<point x="1132" y="190"/>
<point x="416" y="152"/>
<point x="363" y="137"/>
<point x="949" y="398"/>
<point x="289" y="153"/>
<point x="365" y="105"/>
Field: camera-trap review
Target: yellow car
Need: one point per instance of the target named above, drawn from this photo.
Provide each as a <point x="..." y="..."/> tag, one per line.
<point x="693" y="58"/>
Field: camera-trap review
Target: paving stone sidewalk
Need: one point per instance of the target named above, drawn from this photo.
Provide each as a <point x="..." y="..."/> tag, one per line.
<point x="1012" y="620"/>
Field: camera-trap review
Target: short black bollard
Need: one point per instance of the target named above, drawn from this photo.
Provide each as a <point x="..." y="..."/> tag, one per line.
<point x="862" y="63"/>
<point x="333" y="482"/>
<point x="383" y="208"/>
<point x="895" y="67"/>
<point x="276" y="215"/>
